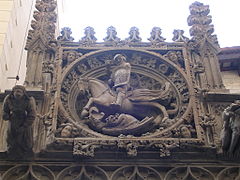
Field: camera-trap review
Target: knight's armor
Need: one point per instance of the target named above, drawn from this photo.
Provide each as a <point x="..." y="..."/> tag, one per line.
<point x="121" y="75"/>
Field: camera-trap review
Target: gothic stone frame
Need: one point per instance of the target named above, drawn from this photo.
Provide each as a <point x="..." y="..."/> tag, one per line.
<point x="88" y="140"/>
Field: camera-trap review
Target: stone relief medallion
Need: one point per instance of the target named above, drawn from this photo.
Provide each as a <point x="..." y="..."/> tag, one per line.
<point x="149" y="95"/>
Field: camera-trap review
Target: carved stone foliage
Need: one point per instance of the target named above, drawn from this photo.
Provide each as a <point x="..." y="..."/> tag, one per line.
<point x="111" y="36"/>
<point x="218" y="108"/>
<point x="178" y="36"/>
<point x="129" y="143"/>
<point x="43" y="25"/>
<point x="208" y="124"/>
<point x="48" y="67"/>
<point x="156" y="36"/>
<point x="89" y="37"/>
<point x="87" y="147"/>
<point x="200" y="22"/>
<point x="65" y="35"/>
<point x="134" y="36"/>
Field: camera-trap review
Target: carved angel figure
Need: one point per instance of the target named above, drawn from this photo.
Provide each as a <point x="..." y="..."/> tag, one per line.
<point x="230" y="134"/>
<point x="20" y="110"/>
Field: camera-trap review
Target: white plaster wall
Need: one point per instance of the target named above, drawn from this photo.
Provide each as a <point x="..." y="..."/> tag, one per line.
<point x="15" y="19"/>
<point x="15" y="16"/>
<point x="231" y="80"/>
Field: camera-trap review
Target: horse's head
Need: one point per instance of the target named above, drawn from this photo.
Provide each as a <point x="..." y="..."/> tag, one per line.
<point x="83" y="85"/>
<point x="94" y="86"/>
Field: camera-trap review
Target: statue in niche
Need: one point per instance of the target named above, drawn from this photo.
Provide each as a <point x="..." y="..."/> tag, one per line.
<point x="230" y="134"/>
<point x="114" y="108"/>
<point x="20" y="110"/>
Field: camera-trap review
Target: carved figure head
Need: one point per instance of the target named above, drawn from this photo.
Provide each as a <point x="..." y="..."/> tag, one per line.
<point x="172" y="56"/>
<point x="66" y="131"/>
<point x="119" y="58"/>
<point x="185" y="132"/>
<point x="18" y="91"/>
<point x="71" y="56"/>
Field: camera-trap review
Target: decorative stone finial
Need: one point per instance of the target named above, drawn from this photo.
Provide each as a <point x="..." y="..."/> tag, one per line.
<point x="156" y="36"/>
<point x="66" y="34"/>
<point x="111" y="35"/>
<point x="178" y="36"/>
<point x="134" y="35"/>
<point x="201" y="23"/>
<point x="89" y="37"/>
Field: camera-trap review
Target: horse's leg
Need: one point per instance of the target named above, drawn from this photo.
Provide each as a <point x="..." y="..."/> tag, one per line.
<point x="85" y="111"/>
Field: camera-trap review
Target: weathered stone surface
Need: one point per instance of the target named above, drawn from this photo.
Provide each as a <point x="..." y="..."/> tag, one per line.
<point x="126" y="109"/>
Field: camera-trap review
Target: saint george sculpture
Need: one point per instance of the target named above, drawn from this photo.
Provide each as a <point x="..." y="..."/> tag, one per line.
<point x="114" y="108"/>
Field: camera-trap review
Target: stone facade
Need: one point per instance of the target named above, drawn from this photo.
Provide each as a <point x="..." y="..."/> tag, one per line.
<point x="122" y="109"/>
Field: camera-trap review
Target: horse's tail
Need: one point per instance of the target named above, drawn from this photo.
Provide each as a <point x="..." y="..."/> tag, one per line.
<point x="145" y="95"/>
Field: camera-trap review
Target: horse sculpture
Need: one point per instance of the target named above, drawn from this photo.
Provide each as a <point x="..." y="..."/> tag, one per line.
<point x="138" y="104"/>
